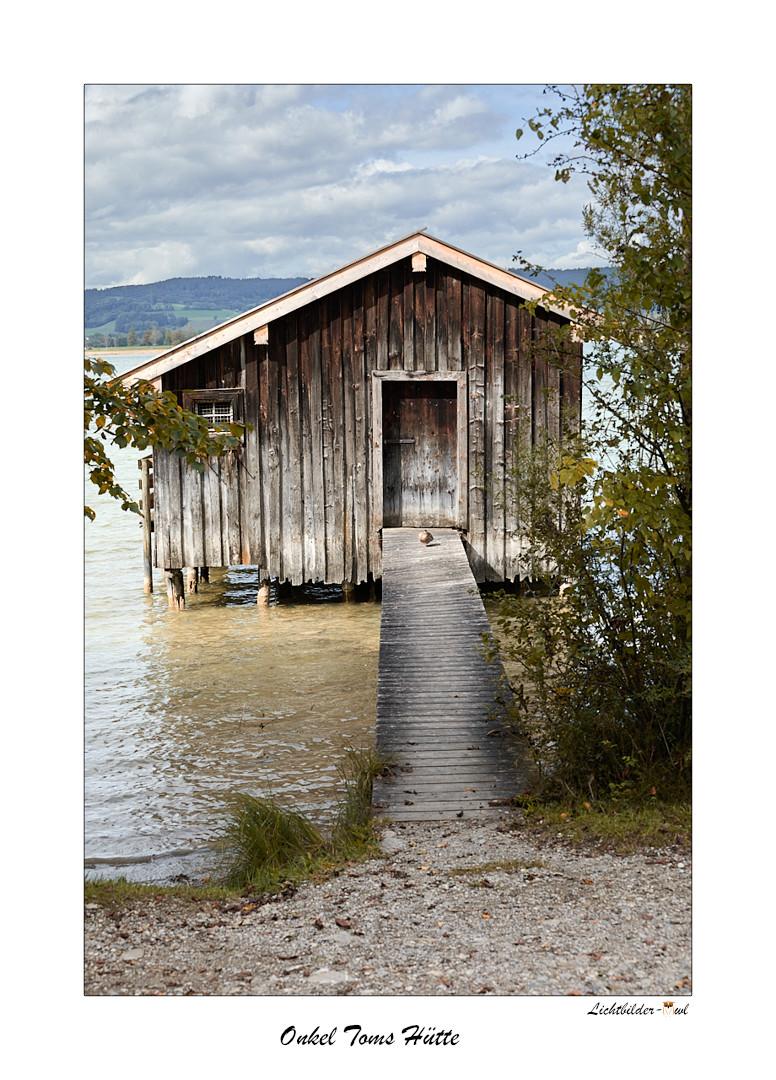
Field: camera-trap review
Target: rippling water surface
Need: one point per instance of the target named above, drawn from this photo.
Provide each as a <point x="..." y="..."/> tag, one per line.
<point x="182" y="708"/>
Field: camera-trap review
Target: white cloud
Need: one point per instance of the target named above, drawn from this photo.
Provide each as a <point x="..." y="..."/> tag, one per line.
<point x="460" y="107"/>
<point x="366" y="169"/>
<point x="136" y="266"/>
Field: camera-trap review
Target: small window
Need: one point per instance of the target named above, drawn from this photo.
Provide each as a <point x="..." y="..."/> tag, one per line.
<point x="216" y="412"/>
<point x="217" y="407"/>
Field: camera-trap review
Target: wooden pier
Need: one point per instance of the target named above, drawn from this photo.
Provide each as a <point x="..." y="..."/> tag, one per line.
<point x="440" y="704"/>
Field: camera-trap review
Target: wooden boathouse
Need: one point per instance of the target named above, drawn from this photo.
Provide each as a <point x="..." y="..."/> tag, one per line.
<point x="387" y="394"/>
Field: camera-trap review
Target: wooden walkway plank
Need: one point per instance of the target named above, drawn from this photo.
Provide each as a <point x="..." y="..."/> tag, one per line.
<point x="441" y="706"/>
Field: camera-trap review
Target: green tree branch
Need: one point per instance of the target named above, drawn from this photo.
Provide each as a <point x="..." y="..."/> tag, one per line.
<point x="140" y="415"/>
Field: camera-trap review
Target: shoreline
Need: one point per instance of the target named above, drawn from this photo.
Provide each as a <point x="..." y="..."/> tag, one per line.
<point x="163" y="869"/>
<point x="124" y="349"/>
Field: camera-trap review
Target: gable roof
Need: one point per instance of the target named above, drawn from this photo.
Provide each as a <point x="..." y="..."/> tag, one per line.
<point x="258" y="318"/>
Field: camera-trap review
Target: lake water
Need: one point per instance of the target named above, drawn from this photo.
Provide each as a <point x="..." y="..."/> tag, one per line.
<point x="183" y="708"/>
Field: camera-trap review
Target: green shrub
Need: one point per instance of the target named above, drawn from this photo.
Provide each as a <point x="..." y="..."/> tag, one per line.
<point x="602" y="665"/>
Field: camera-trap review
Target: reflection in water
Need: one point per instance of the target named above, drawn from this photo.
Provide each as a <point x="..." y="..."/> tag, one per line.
<point x="185" y="707"/>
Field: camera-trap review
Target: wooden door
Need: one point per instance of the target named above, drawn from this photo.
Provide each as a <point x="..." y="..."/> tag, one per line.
<point x="420" y="454"/>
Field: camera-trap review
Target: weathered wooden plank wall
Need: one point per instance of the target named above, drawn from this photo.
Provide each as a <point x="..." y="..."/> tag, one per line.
<point x="298" y="498"/>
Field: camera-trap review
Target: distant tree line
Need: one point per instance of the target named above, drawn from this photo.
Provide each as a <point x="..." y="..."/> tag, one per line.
<point x="153" y="335"/>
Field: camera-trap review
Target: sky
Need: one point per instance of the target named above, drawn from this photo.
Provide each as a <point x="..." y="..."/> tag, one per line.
<point x="282" y="180"/>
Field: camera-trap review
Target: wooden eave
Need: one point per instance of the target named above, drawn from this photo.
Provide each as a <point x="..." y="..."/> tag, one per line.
<point x="258" y="319"/>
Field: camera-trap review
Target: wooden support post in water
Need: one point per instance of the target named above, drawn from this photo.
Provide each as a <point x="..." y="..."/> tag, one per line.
<point x="192" y="579"/>
<point x="348" y="592"/>
<point x="146" y="504"/>
<point x="204" y="573"/>
<point x="262" y="599"/>
<point x="175" y="597"/>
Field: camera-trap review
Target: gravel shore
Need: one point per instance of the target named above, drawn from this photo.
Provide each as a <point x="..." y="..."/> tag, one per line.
<point x="458" y="908"/>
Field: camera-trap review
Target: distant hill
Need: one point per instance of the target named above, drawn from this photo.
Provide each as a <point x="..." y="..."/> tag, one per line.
<point x="559" y="277"/>
<point x="176" y="302"/>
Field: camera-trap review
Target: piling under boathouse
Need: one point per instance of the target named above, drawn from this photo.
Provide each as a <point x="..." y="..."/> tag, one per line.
<point x="387" y="394"/>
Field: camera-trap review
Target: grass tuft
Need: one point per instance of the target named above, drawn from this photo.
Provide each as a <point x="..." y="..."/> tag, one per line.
<point x="267" y="846"/>
<point x="263" y="841"/>
<point x="353" y="831"/>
